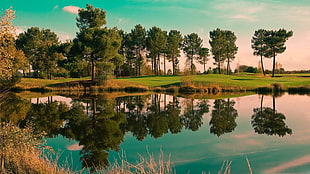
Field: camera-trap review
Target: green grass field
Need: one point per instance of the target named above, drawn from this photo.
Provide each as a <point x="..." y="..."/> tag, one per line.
<point x="246" y="81"/>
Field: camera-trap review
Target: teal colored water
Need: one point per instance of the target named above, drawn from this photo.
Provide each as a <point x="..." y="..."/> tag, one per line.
<point x="207" y="137"/>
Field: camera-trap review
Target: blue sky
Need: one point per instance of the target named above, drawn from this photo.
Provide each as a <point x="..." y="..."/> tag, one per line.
<point x="201" y="16"/>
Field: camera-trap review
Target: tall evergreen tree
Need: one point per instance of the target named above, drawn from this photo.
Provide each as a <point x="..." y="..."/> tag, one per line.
<point x="259" y="46"/>
<point x="90" y="17"/>
<point x="223" y="47"/>
<point x="174" y="44"/>
<point x="203" y="57"/>
<point x="156" y="44"/>
<point x="191" y="46"/>
<point x="231" y="48"/>
<point x="41" y="49"/>
<point x="275" y="44"/>
<point x="98" y="45"/>
<point x="217" y="42"/>
<point x="137" y="44"/>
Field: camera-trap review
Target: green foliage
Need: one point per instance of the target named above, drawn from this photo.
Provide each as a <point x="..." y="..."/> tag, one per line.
<point x="90" y="18"/>
<point x="275" y="44"/>
<point x="41" y="49"/>
<point x="259" y="46"/>
<point x="223" y="47"/>
<point x="174" y="44"/>
<point x="191" y="46"/>
<point x="156" y="41"/>
<point x="203" y="57"/>
<point x="93" y="43"/>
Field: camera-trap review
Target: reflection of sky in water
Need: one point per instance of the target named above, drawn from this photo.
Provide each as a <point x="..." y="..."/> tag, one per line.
<point x="201" y="151"/>
<point x="197" y="151"/>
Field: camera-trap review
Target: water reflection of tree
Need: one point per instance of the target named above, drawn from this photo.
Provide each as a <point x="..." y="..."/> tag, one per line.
<point x="223" y="117"/>
<point x="192" y="117"/>
<point x="47" y="117"/>
<point x="132" y="106"/>
<point x="159" y="116"/>
<point x="267" y="120"/>
<point x="99" y="123"/>
<point x="157" y="121"/>
<point x="98" y="133"/>
<point x="13" y="108"/>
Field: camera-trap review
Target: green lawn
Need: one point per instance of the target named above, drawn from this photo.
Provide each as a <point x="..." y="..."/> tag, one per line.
<point x="247" y="81"/>
<point x="28" y="83"/>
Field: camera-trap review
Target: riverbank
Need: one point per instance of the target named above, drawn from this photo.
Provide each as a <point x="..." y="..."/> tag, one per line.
<point x="212" y="83"/>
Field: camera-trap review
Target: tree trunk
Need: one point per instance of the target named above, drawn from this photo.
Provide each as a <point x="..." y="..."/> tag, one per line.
<point x="273" y="105"/>
<point x="204" y="66"/>
<point x="262" y="64"/>
<point x="158" y="64"/>
<point x="93" y="70"/>
<point x="192" y="72"/>
<point x="228" y="66"/>
<point x="165" y="64"/>
<point x="173" y="65"/>
<point x="274" y="64"/>
<point x="219" y="66"/>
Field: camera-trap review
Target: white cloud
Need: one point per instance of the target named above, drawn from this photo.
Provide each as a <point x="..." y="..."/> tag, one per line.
<point x="56" y="6"/>
<point x="18" y="30"/>
<point x="71" y="9"/>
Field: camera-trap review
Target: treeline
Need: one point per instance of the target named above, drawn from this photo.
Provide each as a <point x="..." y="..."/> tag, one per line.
<point x="102" y="52"/>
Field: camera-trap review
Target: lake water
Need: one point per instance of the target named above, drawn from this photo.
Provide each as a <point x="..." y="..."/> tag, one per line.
<point x="199" y="134"/>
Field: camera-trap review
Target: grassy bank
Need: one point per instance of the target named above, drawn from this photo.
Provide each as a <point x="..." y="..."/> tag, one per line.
<point x="211" y="83"/>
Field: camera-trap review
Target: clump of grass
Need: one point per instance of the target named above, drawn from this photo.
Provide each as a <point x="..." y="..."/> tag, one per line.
<point x="21" y="151"/>
<point x="146" y="165"/>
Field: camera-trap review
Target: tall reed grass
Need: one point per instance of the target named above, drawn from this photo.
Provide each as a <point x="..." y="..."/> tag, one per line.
<point x="21" y="152"/>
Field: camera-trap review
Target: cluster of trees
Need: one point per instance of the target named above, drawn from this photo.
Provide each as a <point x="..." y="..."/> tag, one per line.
<point x="270" y="43"/>
<point x="101" y="52"/>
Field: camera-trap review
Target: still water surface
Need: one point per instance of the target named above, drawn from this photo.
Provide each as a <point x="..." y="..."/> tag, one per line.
<point x="199" y="134"/>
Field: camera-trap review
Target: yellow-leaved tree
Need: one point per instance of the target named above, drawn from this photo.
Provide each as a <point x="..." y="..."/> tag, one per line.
<point x="11" y="59"/>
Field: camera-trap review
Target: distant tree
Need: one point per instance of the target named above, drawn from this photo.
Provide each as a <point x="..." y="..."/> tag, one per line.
<point x="191" y="46"/>
<point x="231" y="48"/>
<point x="203" y="57"/>
<point x="174" y="44"/>
<point x="275" y="44"/>
<point x="223" y="47"/>
<point x="30" y="42"/>
<point x="217" y="42"/>
<point x="41" y="49"/>
<point x="137" y="44"/>
<point x="156" y="42"/>
<point x="259" y="45"/>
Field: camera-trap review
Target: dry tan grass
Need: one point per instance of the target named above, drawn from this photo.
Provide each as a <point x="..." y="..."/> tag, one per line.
<point x="146" y="165"/>
<point x="21" y="152"/>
